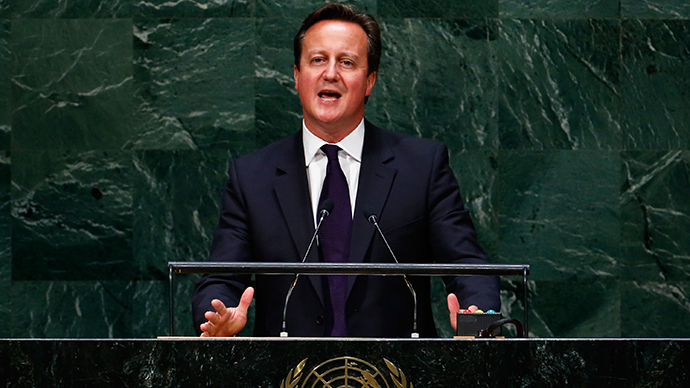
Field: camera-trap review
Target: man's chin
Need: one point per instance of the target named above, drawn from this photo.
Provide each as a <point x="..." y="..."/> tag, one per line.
<point x="327" y="117"/>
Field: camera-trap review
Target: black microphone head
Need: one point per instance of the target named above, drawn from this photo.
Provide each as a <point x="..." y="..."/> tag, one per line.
<point x="326" y="206"/>
<point x="369" y="214"/>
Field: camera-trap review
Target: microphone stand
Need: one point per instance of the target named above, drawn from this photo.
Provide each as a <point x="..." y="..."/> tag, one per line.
<point x="326" y="209"/>
<point x="371" y="217"/>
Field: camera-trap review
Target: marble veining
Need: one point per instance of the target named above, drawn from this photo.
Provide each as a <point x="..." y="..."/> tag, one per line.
<point x="560" y="9"/>
<point x="194" y="83"/>
<point x="655" y="9"/>
<point x="72" y="9"/>
<point x="559" y="88"/>
<point x="242" y="363"/>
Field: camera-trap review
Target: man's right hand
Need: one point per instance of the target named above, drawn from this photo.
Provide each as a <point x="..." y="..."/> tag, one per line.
<point x="227" y="322"/>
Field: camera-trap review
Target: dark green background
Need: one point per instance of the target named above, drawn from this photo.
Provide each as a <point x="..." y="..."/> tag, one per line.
<point x="567" y="123"/>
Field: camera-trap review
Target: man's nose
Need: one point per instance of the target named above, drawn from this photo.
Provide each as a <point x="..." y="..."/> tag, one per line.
<point x="331" y="72"/>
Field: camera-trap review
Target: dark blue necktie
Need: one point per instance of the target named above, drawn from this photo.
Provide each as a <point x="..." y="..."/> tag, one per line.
<point x="335" y="235"/>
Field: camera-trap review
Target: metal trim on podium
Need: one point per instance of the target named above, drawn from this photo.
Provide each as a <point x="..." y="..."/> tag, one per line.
<point x="377" y="269"/>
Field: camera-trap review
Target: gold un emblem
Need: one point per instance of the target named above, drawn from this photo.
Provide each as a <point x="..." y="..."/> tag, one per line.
<point x="345" y="372"/>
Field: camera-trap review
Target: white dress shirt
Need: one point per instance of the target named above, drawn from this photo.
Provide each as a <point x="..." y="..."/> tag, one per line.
<point x="349" y="156"/>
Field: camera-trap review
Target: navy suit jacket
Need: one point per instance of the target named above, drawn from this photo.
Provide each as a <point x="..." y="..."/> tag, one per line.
<point x="407" y="181"/>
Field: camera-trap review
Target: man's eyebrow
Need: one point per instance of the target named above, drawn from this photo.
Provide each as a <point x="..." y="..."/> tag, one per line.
<point x="339" y="55"/>
<point x="349" y="54"/>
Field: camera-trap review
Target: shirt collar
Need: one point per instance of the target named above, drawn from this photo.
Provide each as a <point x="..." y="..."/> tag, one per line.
<point x="352" y="144"/>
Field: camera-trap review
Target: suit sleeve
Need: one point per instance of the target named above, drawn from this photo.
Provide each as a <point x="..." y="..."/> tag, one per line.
<point x="231" y="242"/>
<point x="454" y="238"/>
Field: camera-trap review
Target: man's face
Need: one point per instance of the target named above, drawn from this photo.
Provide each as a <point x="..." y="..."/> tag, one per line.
<point x="332" y="80"/>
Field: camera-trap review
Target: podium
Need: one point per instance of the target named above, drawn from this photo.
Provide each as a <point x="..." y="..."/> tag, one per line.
<point x="304" y="362"/>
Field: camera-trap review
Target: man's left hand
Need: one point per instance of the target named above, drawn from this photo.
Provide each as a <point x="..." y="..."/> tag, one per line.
<point x="454" y="309"/>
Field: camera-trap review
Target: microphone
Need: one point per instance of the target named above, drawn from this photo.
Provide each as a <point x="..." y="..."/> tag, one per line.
<point x="324" y="211"/>
<point x="371" y="217"/>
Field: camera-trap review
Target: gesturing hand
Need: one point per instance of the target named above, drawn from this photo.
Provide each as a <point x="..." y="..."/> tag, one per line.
<point x="454" y="308"/>
<point x="227" y="322"/>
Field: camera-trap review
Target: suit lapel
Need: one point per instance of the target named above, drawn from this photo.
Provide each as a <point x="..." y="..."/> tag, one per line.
<point x="291" y="188"/>
<point x="375" y="181"/>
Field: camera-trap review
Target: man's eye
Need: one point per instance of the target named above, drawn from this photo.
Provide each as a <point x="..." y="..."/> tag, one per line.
<point x="348" y="63"/>
<point x="317" y="60"/>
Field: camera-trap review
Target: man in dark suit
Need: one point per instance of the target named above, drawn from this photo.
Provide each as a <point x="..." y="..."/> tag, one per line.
<point x="273" y="195"/>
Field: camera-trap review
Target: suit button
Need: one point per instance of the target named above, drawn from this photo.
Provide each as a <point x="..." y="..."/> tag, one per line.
<point x="320" y="320"/>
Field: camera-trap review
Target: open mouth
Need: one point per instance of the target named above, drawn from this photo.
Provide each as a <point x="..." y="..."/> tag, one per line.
<point x="329" y="95"/>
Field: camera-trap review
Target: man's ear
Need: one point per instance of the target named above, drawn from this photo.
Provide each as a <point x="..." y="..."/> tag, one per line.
<point x="371" y="80"/>
<point x="296" y="76"/>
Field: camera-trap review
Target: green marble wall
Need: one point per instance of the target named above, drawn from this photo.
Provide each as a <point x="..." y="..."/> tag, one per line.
<point x="567" y="122"/>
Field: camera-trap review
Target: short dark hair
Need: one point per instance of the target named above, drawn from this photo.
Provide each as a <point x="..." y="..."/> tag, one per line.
<point x="346" y="13"/>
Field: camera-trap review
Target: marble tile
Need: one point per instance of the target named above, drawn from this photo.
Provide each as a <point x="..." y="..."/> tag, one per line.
<point x="177" y="205"/>
<point x="5" y="241"/>
<point x="193" y="9"/>
<point x="72" y="216"/>
<point x="301" y="8"/>
<point x="6" y="309"/>
<point x="5" y="219"/>
<point x="177" y="197"/>
<point x="655" y="308"/>
<point x="439" y="308"/>
<point x="513" y="306"/>
<point x="447" y="9"/>
<point x="72" y="84"/>
<point x="566" y="309"/>
<point x="71" y="9"/>
<point x="560" y="84"/>
<point x="278" y="109"/>
<point x="577" y="309"/>
<point x="559" y="212"/>
<point x="560" y="9"/>
<point x="5" y="9"/>
<point x="5" y="85"/>
<point x="477" y="175"/>
<point x="437" y="81"/>
<point x="655" y="9"/>
<point x="655" y="211"/>
<point x="194" y="84"/>
<point x="150" y="316"/>
<point x="656" y="53"/>
<point x="259" y="364"/>
<point x="75" y="309"/>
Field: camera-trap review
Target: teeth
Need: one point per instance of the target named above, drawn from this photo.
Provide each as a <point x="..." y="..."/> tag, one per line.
<point x="329" y="96"/>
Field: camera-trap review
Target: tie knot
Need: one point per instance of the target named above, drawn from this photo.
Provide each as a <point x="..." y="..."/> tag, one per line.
<point x="331" y="151"/>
